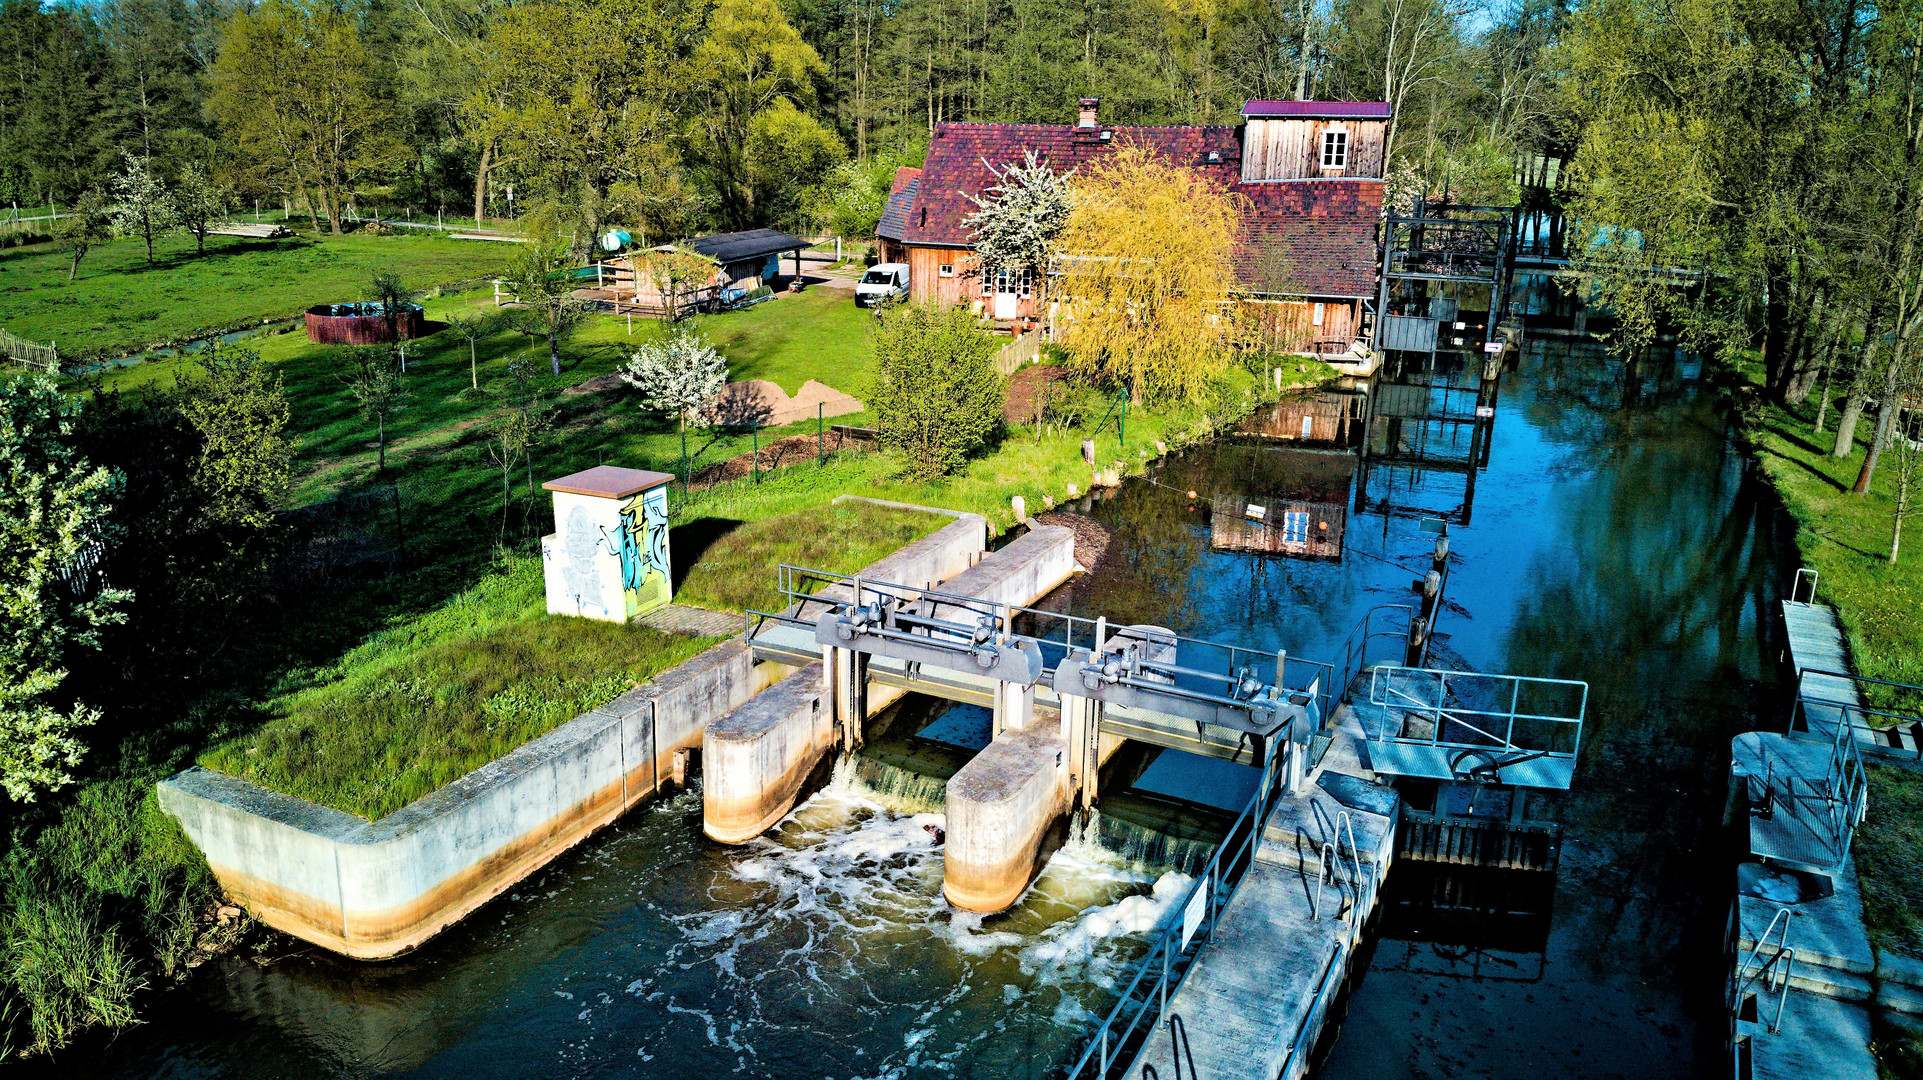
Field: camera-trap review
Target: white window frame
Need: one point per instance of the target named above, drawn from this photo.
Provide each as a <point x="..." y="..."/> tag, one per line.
<point x="1335" y="148"/>
<point x="1295" y="526"/>
<point x="1315" y="316"/>
<point x="947" y="270"/>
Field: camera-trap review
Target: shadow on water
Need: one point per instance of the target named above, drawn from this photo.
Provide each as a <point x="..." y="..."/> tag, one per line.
<point x="1601" y="528"/>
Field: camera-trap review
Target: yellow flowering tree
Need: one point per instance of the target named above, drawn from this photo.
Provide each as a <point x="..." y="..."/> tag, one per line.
<point x="1146" y="275"/>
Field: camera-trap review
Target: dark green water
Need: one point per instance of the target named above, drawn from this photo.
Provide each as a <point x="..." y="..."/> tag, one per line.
<point x="1612" y="536"/>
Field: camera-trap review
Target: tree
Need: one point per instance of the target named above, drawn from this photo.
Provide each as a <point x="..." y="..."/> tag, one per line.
<point x="545" y="305"/>
<point x="755" y="70"/>
<point x="393" y="298"/>
<point x="375" y="382"/>
<point x="471" y="327"/>
<point x="678" y="375"/>
<point x="937" y="397"/>
<point x="1906" y="453"/>
<point x="1019" y="220"/>
<point x="674" y="273"/>
<point x="87" y="223"/>
<point x="142" y="204"/>
<point x="301" y="100"/>
<point x="56" y="525"/>
<point x="200" y="203"/>
<point x="240" y="411"/>
<point x="515" y="430"/>
<point x="1146" y="274"/>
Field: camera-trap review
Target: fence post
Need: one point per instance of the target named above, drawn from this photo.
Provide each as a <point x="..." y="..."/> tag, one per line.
<point x="821" y="439"/>
<point x="755" y="431"/>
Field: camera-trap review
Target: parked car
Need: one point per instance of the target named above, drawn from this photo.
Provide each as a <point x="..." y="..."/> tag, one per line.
<point x="883" y="283"/>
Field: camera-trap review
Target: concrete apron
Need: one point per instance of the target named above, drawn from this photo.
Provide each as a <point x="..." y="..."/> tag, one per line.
<point x="374" y="890"/>
<point x="757" y="760"/>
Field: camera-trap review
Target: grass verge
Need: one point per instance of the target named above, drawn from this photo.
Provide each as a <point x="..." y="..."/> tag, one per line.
<point x="119" y="304"/>
<point x="1889" y="859"/>
<point x="737" y="571"/>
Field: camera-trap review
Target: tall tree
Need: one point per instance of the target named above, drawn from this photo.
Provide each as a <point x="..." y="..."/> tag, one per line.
<point x="296" y="92"/>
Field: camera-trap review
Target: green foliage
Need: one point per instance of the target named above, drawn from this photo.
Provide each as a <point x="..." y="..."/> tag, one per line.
<point x="851" y="196"/>
<point x="200" y="203"/>
<point x="88" y="224"/>
<point x="937" y="395"/>
<point x="379" y="389"/>
<point x="55" y="526"/>
<point x="738" y="571"/>
<point x="240" y="412"/>
<point x="545" y="307"/>
<point x="435" y="697"/>
<point x="67" y="971"/>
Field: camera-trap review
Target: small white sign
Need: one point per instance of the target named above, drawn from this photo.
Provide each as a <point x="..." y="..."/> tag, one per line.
<point x="1192" y="913"/>
<point x="1492" y="347"/>
<point x="1485" y="412"/>
<point x="1256" y="512"/>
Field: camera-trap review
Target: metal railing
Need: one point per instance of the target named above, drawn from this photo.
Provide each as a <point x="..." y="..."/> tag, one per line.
<point x="1774" y="972"/>
<point x="1115" y="1043"/>
<point x="1303" y="1042"/>
<point x="1355" y="652"/>
<point x="1843" y="790"/>
<point x="1449" y="700"/>
<point x="1796" y="586"/>
<point x="1055" y="632"/>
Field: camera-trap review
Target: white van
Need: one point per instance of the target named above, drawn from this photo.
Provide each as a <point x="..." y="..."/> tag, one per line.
<point x="884" y="282"/>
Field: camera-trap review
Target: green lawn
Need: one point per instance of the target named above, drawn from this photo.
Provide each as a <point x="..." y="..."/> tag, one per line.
<point x="1889" y="859"/>
<point x="436" y="697"/>
<point x="120" y="305"/>
<point x="819" y="334"/>
<point x="737" y="571"/>
<point x="1847" y="539"/>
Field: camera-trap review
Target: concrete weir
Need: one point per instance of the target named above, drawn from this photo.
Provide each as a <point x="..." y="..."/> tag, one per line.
<point x="756" y="760"/>
<point x="375" y="889"/>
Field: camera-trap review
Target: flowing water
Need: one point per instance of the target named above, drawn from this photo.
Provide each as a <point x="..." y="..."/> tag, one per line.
<point x="1606" y="531"/>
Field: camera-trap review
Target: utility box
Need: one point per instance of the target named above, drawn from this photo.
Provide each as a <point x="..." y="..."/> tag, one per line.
<point x="608" y="555"/>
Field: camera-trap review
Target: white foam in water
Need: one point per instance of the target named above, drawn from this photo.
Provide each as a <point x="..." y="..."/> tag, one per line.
<point x="842" y="904"/>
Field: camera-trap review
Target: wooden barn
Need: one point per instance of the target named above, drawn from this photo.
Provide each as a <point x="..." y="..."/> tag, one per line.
<point x="1310" y="174"/>
<point x="693" y="272"/>
<point x="1302" y="512"/>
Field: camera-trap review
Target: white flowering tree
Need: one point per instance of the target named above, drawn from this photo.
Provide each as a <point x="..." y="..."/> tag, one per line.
<point x="56" y="522"/>
<point x="679" y="374"/>
<point x="1018" y="220"/>
<point x="142" y="204"/>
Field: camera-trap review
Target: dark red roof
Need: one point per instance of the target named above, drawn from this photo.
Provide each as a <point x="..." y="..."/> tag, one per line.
<point x="1323" y="230"/>
<point x="1348" y="110"/>
<point x="959" y="156"/>
<point x="901" y="195"/>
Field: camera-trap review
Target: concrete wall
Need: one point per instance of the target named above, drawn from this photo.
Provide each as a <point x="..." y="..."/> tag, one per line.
<point x="755" y="762"/>
<point x="372" y="890"/>
<point x="1000" y="806"/>
<point x="377" y="889"/>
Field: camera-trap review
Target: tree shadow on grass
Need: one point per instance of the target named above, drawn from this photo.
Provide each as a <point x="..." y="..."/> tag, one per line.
<point x="688" y="542"/>
<point x="1806" y="464"/>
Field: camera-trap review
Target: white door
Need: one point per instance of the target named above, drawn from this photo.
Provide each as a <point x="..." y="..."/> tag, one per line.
<point x="1008" y="293"/>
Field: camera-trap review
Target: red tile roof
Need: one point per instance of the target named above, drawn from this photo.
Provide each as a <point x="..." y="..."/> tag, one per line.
<point x="1323" y="229"/>
<point x="1324" y="232"/>
<point x="1348" y="110"/>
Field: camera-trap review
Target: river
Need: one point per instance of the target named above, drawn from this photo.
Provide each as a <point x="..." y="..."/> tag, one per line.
<point x="1605" y="530"/>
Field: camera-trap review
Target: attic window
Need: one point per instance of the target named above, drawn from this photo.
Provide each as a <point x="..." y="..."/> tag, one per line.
<point x="1335" y="149"/>
<point x="1215" y="157"/>
<point x="947" y="269"/>
<point x="924" y="217"/>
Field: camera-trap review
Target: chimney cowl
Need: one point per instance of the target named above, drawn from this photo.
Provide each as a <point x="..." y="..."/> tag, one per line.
<point x="1089" y="107"/>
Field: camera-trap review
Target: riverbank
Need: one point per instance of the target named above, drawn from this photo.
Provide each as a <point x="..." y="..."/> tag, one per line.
<point x="1846" y="538"/>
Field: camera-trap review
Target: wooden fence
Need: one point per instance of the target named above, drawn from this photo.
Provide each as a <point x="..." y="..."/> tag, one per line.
<point x="20" y="350"/>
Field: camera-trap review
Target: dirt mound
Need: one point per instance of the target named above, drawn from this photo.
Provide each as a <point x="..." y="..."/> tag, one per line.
<point x="1028" y="388"/>
<point x="1091" y="536"/>
<point x="792" y="450"/>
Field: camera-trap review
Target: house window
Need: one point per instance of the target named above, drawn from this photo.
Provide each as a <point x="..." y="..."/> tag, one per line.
<point x="1308" y="426"/>
<point x="947" y="269"/>
<point x="1315" y="317"/>
<point x="1028" y="284"/>
<point x="1295" y="526"/>
<point x="1335" y="149"/>
<point x="988" y="283"/>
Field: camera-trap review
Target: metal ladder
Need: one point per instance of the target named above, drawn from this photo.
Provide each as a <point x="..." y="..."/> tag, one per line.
<point x="1773" y="972"/>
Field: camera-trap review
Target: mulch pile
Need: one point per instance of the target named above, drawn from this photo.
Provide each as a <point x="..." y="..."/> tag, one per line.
<point x="1091" y="536"/>
<point x="792" y="450"/>
<point x="1027" y="389"/>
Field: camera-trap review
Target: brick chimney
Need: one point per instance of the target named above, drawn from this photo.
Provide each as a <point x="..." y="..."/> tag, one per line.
<point x="1089" y="105"/>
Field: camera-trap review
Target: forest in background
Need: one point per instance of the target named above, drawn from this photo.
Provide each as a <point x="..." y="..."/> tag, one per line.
<point x="675" y="117"/>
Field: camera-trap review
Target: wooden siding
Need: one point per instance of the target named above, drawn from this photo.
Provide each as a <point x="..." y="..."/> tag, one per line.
<point x="926" y="283"/>
<point x="1283" y="149"/>
<point x="1289" y="325"/>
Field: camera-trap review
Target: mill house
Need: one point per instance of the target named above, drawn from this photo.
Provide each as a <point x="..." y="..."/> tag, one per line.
<point x="1309" y="174"/>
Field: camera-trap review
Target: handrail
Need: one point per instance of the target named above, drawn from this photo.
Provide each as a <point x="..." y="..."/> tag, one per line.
<point x="1379" y="687"/>
<point x="1796" y="586"/>
<point x="1786" y="956"/>
<point x="1321" y="990"/>
<point x="1320" y="675"/>
<point x="1343" y="823"/>
<point x="1325" y="859"/>
<point x="1215" y="888"/>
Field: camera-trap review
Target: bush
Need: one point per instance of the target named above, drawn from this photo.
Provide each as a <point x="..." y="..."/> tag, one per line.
<point x="937" y="396"/>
